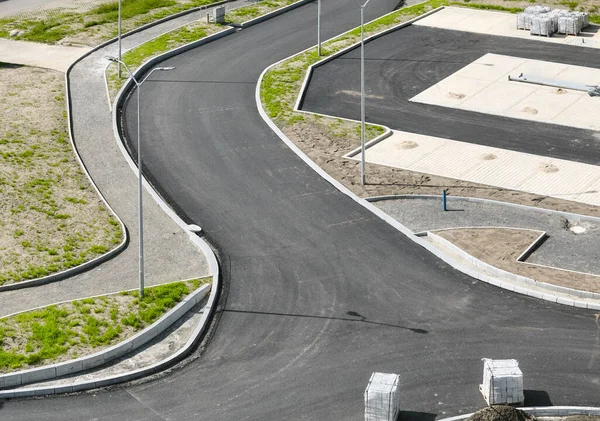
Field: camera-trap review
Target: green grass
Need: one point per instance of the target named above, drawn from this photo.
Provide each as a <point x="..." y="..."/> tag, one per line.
<point x="51" y="27"/>
<point x="79" y="328"/>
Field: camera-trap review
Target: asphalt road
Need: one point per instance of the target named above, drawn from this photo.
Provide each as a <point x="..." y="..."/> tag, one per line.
<point x="405" y="62"/>
<point x="320" y="293"/>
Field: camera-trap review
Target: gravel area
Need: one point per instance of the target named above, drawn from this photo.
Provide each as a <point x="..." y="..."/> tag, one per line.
<point x="563" y="249"/>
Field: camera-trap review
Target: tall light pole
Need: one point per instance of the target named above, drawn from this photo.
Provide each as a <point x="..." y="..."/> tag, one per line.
<point x="362" y="91"/>
<point x="138" y="85"/>
<point x="119" y="37"/>
<point x="319" y="27"/>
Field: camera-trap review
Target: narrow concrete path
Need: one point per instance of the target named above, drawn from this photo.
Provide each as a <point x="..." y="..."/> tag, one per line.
<point x="54" y="57"/>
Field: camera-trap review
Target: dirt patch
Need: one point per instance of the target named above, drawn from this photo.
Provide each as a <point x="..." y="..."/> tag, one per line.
<point x="549" y="168"/>
<point x="501" y="413"/>
<point x="51" y="217"/>
<point x="408" y="144"/>
<point x="454" y="95"/>
<point x="489" y="157"/>
<point x="500" y="247"/>
<point x="530" y="110"/>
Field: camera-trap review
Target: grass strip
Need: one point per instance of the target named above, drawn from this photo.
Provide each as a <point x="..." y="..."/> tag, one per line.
<point x="95" y="25"/>
<point x="246" y="13"/>
<point x="70" y="330"/>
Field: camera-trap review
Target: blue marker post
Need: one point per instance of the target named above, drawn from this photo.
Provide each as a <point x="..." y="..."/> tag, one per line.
<point x="444" y="200"/>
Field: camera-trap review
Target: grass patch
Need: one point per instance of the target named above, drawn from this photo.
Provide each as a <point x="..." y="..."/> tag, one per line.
<point x="93" y="26"/>
<point x="66" y="331"/>
<point x="52" y="219"/>
<point x="246" y="13"/>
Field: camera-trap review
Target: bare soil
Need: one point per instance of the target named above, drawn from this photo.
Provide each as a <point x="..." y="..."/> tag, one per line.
<point x="501" y="248"/>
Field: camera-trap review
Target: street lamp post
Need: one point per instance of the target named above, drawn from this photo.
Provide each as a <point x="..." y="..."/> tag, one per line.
<point x="138" y="85"/>
<point x="319" y="27"/>
<point x="119" y="37"/>
<point x="362" y="91"/>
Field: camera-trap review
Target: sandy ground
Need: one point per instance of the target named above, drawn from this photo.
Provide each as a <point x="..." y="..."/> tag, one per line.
<point x="501" y="247"/>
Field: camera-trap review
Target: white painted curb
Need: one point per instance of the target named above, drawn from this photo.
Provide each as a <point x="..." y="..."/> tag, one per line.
<point x="393" y="222"/>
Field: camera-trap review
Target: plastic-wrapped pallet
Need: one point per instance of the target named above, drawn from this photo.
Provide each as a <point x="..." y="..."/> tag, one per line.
<point x="546" y="27"/>
<point x="382" y="397"/>
<point x="536" y="26"/>
<point x="562" y="24"/>
<point x="502" y="382"/>
<point x="521" y="18"/>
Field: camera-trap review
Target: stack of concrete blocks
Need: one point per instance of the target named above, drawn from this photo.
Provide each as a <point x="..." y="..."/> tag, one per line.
<point x="382" y="397"/>
<point x="541" y="20"/>
<point x="502" y="382"/>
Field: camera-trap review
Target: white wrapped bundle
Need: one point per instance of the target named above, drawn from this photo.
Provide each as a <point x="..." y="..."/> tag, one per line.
<point x="502" y="382"/>
<point x="521" y="18"/>
<point x="382" y="397"/>
<point x="536" y="26"/>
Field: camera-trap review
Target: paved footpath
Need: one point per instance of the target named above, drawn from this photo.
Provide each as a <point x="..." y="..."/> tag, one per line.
<point x="169" y="254"/>
<point x="564" y="248"/>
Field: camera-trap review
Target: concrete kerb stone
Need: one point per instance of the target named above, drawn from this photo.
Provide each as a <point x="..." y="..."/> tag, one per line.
<point x="198" y="333"/>
<point x="509" y="279"/>
<point x="485" y="266"/>
<point x="34" y="375"/>
<point x="274" y="13"/>
<point x="378" y="212"/>
<point x="544" y="411"/>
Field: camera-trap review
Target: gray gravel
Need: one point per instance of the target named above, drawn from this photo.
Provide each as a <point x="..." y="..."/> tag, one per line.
<point x="563" y="249"/>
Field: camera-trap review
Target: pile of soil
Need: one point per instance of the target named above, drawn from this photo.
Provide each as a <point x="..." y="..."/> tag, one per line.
<point x="501" y="413"/>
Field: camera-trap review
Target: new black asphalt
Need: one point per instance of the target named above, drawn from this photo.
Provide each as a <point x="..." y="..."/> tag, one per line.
<point x="319" y="292"/>
<point x="408" y="61"/>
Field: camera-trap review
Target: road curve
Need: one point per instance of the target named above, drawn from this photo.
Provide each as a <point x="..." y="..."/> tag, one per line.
<point x="320" y="292"/>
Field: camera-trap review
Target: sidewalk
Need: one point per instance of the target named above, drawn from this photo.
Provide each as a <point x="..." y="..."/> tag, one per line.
<point x="54" y="57"/>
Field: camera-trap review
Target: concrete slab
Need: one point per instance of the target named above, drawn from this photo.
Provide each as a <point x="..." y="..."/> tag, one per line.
<point x="499" y="23"/>
<point x="487" y="165"/>
<point x="483" y="86"/>
<point x="39" y="55"/>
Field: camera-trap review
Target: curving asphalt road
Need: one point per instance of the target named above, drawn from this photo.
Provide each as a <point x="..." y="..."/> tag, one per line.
<point x="320" y="292"/>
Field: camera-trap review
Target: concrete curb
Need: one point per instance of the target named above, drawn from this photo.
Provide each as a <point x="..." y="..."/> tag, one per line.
<point x="274" y="13"/>
<point x="379" y="213"/>
<point x="567" y="215"/>
<point x="522" y="280"/>
<point x="53" y="371"/>
<point x="544" y="411"/>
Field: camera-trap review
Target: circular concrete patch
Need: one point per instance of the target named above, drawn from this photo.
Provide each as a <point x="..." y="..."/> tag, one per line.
<point x="408" y="144"/>
<point x="548" y="168"/>
<point x="577" y="229"/>
<point x="488" y="156"/>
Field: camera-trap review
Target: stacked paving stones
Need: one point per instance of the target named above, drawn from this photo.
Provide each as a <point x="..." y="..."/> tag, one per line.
<point x="502" y="382"/>
<point x="541" y="20"/>
<point x="382" y="397"/>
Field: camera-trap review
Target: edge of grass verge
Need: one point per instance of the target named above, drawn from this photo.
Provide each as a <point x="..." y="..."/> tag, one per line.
<point x="44" y="332"/>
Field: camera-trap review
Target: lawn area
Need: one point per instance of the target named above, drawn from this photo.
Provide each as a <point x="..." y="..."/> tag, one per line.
<point x="91" y="27"/>
<point x="70" y="330"/>
<point x="51" y="217"/>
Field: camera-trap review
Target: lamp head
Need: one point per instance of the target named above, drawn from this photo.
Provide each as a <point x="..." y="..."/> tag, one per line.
<point x="166" y="69"/>
<point x="111" y="58"/>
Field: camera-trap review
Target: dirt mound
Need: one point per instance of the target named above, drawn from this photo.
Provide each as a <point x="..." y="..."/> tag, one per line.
<point x="501" y="413"/>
